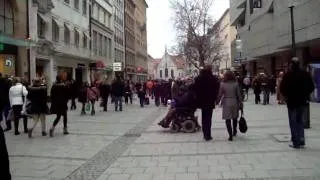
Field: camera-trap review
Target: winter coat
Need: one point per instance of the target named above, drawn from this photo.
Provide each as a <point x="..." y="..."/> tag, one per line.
<point x="296" y="87"/>
<point x="4" y="91"/>
<point x="230" y="99"/>
<point x="256" y="86"/>
<point x="59" y="98"/>
<point x="117" y="89"/>
<point x="38" y="97"/>
<point x="105" y="90"/>
<point x="207" y="89"/>
<point x="93" y="94"/>
<point x="82" y="95"/>
<point x="17" y="93"/>
<point x="175" y="90"/>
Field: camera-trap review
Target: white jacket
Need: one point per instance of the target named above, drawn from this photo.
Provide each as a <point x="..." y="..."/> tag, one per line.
<point x="15" y="94"/>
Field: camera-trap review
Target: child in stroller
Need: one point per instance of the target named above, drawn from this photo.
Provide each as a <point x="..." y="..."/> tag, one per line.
<point x="181" y="114"/>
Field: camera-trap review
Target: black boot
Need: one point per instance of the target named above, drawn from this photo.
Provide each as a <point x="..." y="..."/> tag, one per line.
<point x="235" y="124"/>
<point x="229" y="128"/>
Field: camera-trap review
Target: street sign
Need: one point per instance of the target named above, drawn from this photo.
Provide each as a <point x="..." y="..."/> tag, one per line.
<point x="117" y="66"/>
<point x="117" y="69"/>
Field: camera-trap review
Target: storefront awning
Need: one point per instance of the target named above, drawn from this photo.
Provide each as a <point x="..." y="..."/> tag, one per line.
<point x="14" y="41"/>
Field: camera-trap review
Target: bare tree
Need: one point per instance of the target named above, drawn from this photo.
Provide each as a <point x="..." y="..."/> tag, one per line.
<point x="196" y="35"/>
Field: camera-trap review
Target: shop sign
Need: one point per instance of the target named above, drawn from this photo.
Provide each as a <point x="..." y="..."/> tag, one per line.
<point x="117" y="66"/>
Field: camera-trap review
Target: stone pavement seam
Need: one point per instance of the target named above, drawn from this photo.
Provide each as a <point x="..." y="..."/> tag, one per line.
<point x="50" y="157"/>
<point x="94" y="167"/>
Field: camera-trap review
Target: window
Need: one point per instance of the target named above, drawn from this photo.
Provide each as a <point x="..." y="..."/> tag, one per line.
<point x="41" y="25"/>
<point x="55" y="31"/>
<point x="84" y="7"/>
<point x="160" y="73"/>
<point x="76" y="4"/>
<point x="76" y="38"/>
<point x="110" y="48"/>
<point x="6" y="17"/>
<point x="166" y="72"/>
<point x="85" y="41"/>
<point x="172" y="74"/>
<point x="67" y="1"/>
<point x="255" y="4"/>
<point x="105" y="41"/>
<point x="94" y="42"/>
<point x="66" y="34"/>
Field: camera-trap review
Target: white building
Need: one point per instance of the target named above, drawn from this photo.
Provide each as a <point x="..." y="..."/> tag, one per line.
<point x="61" y="30"/>
<point x="171" y="67"/>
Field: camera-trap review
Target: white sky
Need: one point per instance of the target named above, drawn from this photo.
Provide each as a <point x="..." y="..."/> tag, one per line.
<point x="160" y="24"/>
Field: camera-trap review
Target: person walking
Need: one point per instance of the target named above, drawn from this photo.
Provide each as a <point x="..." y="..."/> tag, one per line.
<point x="265" y="88"/>
<point x="38" y="98"/>
<point x="118" y="93"/>
<point x="231" y="101"/>
<point x="93" y="96"/>
<point x="105" y="90"/>
<point x="257" y="89"/>
<point x="4" y="158"/>
<point x="207" y="88"/>
<point x="59" y="105"/>
<point x="296" y="87"/>
<point x="142" y="96"/>
<point x="17" y="94"/>
<point x="157" y="93"/>
<point x="128" y="93"/>
<point x="82" y="96"/>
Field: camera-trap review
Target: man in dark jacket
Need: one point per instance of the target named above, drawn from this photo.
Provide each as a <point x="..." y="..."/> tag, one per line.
<point x="206" y="87"/>
<point x="118" y="93"/>
<point x="4" y="158"/>
<point x="59" y="104"/>
<point x="5" y="85"/>
<point x="105" y="92"/>
<point x="296" y="87"/>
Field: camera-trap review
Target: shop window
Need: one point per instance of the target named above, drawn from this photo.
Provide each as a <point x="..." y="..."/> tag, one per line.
<point x="172" y="74"/>
<point x="6" y="17"/>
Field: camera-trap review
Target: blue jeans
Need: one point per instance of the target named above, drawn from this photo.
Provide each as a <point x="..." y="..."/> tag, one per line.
<point x="296" y="125"/>
<point x="118" y="103"/>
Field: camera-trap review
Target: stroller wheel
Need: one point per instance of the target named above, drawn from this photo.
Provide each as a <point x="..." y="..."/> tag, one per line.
<point x="175" y="128"/>
<point x="189" y="126"/>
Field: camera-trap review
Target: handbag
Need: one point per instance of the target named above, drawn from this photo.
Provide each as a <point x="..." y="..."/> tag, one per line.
<point x="243" y="127"/>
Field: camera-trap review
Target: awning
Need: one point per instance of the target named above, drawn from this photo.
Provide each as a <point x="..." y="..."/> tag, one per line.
<point x="44" y="18"/>
<point x="14" y="41"/>
<point x="60" y="24"/>
<point x="239" y="14"/>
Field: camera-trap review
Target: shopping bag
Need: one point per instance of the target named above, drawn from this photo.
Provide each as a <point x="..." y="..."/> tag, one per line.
<point x="243" y="127"/>
<point x="88" y="107"/>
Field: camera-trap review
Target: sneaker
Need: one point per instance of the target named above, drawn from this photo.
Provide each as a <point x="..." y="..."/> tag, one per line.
<point x="51" y="132"/>
<point x="30" y="133"/>
<point x="65" y="131"/>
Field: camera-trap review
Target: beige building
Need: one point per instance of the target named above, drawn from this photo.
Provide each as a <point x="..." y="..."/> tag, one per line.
<point x="141" y="56"/>
<point x="14" y="38"/>
<point x="264" y="27"/>
<point x="225" y="35"/>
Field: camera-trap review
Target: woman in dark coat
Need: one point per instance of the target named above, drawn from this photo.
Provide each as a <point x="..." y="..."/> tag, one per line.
<point x="82" y="97"/>
<point x="257" y="89"/>
<point x="59" y="104"/>
<point x="38" y="98"/>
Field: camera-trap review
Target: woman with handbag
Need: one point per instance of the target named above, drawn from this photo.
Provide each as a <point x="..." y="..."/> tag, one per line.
<point x="38" y="105"/>
<point x="17" y="94"/>
<point x="231" y="101"/>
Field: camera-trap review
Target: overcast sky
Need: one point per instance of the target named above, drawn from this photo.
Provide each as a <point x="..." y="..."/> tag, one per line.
<point x="160" y="24"/>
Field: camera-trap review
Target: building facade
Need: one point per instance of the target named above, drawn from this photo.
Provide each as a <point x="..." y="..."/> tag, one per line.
<point x="264" y="28"/>
<point x="170" y="67"/>
<point x="130" y="52"/>
<point x="14" y="38"/>
<point x="102" y="39"/>
<point x="119" y="48"/>
<point x="141" y="56"/>
<point x="225" y="35"/>
<point x="60" y="28"/>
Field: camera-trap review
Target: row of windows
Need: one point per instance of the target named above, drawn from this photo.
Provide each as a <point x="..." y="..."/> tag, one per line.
<point x="130" y="58"/>
<point x="102" y="15"/>
<point x="166" y="73"/>
<point x="66" y="33"/>
<point x="118" y="55"/>
<point x="118" y="36"/>
<point x="130" y="40"/>
<point x="101" y="45"/>
<point x="76" y="5"/>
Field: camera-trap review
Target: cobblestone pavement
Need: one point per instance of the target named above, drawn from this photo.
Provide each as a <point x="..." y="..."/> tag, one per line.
<point x="131" y="146"/>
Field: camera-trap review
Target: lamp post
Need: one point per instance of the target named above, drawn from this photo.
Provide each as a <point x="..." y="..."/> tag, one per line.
<point x="291" y="5"/>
